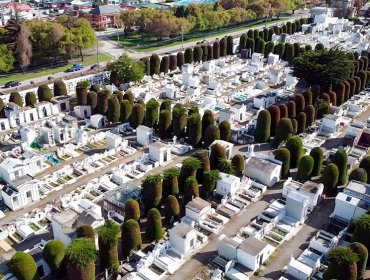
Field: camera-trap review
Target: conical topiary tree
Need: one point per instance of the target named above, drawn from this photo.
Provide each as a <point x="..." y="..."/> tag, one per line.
<point x="365" y="164"/>
<point x="275" y="118"/>
<point x="108" y="242"/>
<point x="189" y="168"/>
<point x="358" y="174"/>
<point x="217" y="152"/>
<point x="310" y="115"/>
<point x="284" y="130"/>
<point x="188" y="55"/>
<point x="137" y="115"/>
<point x="173" y="62"/>
<point x="132" y="210"/>
<point x="342" y="264"/>
<point x="53" y="254"/>
<point x="205" y="164"/>
<point x="329" y="178"/>
<point x="212" y="133"/>
<point x="86" y="231"/>
<point x="130" y="237"/>
<point x="283" y="155"/>
<point x="172" y="209"/>
<point x="154" y="230"/>
<point x="180" y="59"/>
<point x="44" y="93"/>
<point x="179" y="120"/>
<point x="60" y="88"/>
<point x="197" y="53"/>
<point x="152" y="190"/>
<point x="363" y="255"/>
<point x="301" y="122"/>
<point x="362" y="231"/>
<point x="207" y="119"/>
<point x="16" y="98"/>
<point x="191" y="188"/>
<point x="125" y="111"/>
<point x="295" y="147"/>
<point x="210" y="179"/>
<point x="318" y="156"/>
<point x="165" y="64"/>
<point x="305" y="167"/>
<point x="170" y="184"/>
<point x="225" y="166"/>
<point x="263" y="126"/>
<point x="194" y="129"/>
<point x="238" y="163"/>
<point x="164" y="124"/>
<point x="340" y="159"/>
<point x="283" y="111"/>
<point x="114" y="109"/>
<point x="23" y="266"/>
<point x="225" y="130"/>
<point x="30" y="99"/>
<point x="151" y="113"/>
<point x="223" y="46"/>
<point x="81" y="256"/>
<point x="92" y="100"/>
<point x="155" y="64"/>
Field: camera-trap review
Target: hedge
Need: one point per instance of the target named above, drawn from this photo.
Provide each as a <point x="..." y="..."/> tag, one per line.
<point x="280" y="49"/>
<point x="165" y="64"/>
<point x="125" y="111"/>
<point x="92" y="100"/>
<point x="289" y="52"/>
<point x="173" y="62"/>
<point x="307" y="98"/>
<point x="114" y="110"/>
<point x="340" y="92"/>
<point x="295" y="147"/>
<point x="283" y="155"/>
<point x="197" y="53"/>
<point x="216" y="49"/>
<point x="263" y="126"/>
<point x="180" y="59"/>
<point x="102" y="106"/>
<point x="291" y="106"/>
<point x="269" y="48"/>
<point x="242" y="42"/>
<point x="260" y="46"/>
<point x="188" y="55"/>
<point x="299" y="103"/>
<point x="283" y="111"/>
<point x="204" y="52"/>
<point x="333" y="98"/>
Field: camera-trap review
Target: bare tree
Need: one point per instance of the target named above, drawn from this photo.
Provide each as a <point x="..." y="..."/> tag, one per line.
<point x="24" y="46"/>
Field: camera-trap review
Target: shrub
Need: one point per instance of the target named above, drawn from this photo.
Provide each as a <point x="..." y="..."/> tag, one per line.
<point x="260" y="45"/>
<point x="137" y="115"/>
<point x="166" y="105"/>
<point x="301" y="120"/>
<point x="154" y="230"/>
<point x="118" y="94"/>
<point x="275" y="118"/>
<point x="242" y="42"/>
<point x="81" y="256"/>
<point x="212" y="133"/>
<point x="365" y="164"/>
<point x="340" y="159"/>
<point x="53" y="254"/>
<point x="125" y="111"/>
<point x="16" y="98"/>
<point x="225" y="130"/>
<point x="283" y="111"/>
<point x="165" y="64"/>
<point x="291" y="106"/>
<point x="132" y="210"/>
<point x="217" y="152"/>
<point x="299" y="103"/>
<point x="180" y="59"/>
<point x="197" y="53"/>
<point x="155" y="64"/>
<point x="289" y="52"/>
<point x="170" y="184"/>
<point x="92" y="100"/>
<point x="319" y="47"/>
<point x="44" y="93"/>
<point x="173" y="62"/>
<point x="114" y="110"/>
<point x="30" y="99"/>
<point x="202" y="156"/>
<point x="223" y="47"/>
<point x="216" y="49"/>
<point x="342" y="264"/>
<point x="279" y="49"/>
<point x="102" y="105"/>
<point x="23" y="266"/>
<point x="238" y="163"/>
<point x="295" y="147"/>
<point x="179" y="120"/>
<point x="225" y="166"/>
<point x="269" y="48"/>
<point x="108" y="241"/>
<point x="329" y="178"/>
<point x="189" y="168"/>
<point x="333" y="98"/>
<point x="172" y="209"/>
<point x="60" y="88"/>
<point x="152" y="190"/>
<point x="164" y="124"/>
<point x="310" y="115"/>
<point x="194" y="129"/>
<point x="284" y="130"/>
<point x="263" y="126"/>
<point x="188" y="55"/>
<point x="307" y="98"/>
<point x="207" y="119"/>
<point x="191" y="188"/>
<point x="305" y="168"/>
<point x="283" y="155"/>
<point x="340" y="91"/>
<point x="209" y="182"/>
<point x="295" y="126"/>
<point x="151" y="113"/>
<point x="363" y="255"/>
<point x="358" y="174"/>
<point x="362" y="230"/>
<point x="85" y="231"/>
<point x="130" y="236"/>
<point x="317" y="155"/>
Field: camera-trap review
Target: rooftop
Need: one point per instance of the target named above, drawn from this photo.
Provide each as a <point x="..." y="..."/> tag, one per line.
<point x="262" y="164"/>
<point x="197" y="204"/>
<point x="158" y="145"/>
<point x="252" y="246"/>
<point x="181" y="229"/>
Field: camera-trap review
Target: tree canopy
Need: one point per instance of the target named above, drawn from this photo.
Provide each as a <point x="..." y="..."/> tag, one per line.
<point x="126" y="69"/>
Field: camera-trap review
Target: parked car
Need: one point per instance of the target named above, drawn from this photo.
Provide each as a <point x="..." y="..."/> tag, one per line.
<point x="75" y="67"/>
<point x="95" y="66"/>
<point x="12" y="84"/>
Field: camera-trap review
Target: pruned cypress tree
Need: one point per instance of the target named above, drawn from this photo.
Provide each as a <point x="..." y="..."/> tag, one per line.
<point x="16" y="98"/>
<point x="365" y="164"/>
<point x="310" y="115"/>
<point x="151" y="113"/>
<point x="217" y="152"/>
<point x="225" y="130"/>
<point x="164" y="124"/>
<point x="302" y="120"/>
<point x="340" y="159"/>
<point x="188" y="55"/>
<point x="60" y="88"/>
<point x="329" y="178"/>
<point x="191" y="188"/>
<point x="238" y="163"/>
<point x="203" y="157"/>
<point x="305" y="167"/>
<point x="165" y="64"/>
<point x="152" y="191"/>
<point x="180" y="59"/>
<point x="223" y="50"/>
<point x="154" y="229"/>
<point x="137" y="115"/>
<point x="216" y="49"/>
<point x="207" y="119"/>
<point x="132" y="210"/>
<point x="155" y="64"/>
<point x="170" y="183"/>
<point x="194" y="129"/>
<point x="23" y="266"/>
<point x="125" y="111"/>
<point x="291" y="106"/>
<point x="172" y="209"/>
<point x="283" y="111"/>
<point x="130" y="237"/>
<point x="289" y="52"/>
<point x="179" y="120"/>
<point x="363" y="255"/>
<point x="318" y="157"/>
<point x="114" y="109"/>
<point x="197" y="53"/>
<point x="283" y="155"/>
<point x="263" y="126"/>
<point x="275" y="118"/>
<point x="53" y="254"/>
<point x="92" y="100"/>
<point x="284" y="130"/>
<point x="44" y="93"/>
<point x="242" y="42"/>
<point x="342" y="264"/>
<point x="269" y="48"/>
<point x="295" y="147"/>
<point x="108" y="243"/>
<point x="173" y="62"/>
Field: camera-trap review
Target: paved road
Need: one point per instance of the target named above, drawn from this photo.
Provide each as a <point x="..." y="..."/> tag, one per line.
<point x="202" y="257"/>
<point x="10" y="216"/>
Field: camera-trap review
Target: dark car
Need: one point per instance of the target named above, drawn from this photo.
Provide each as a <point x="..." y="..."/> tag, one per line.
<point x="95" y="66"/>
<point x="12" y="84"/>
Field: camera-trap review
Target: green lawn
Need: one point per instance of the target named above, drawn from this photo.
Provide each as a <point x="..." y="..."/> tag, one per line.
<point x="135" y="39"/>
<point x="90" y="60"/>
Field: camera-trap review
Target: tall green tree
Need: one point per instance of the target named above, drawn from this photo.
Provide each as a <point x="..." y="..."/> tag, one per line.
<point x="137" y="115"/>
<point x="295" y="147"/>
<point x="172" y="209"/>
<point x="342" y="264"/>
<point x="155" y="64"/>
<point x="108" y="243"/>
<point x="114" y="109"/>
<point x="194" y="129"/>
<point x="283" y="155"/>
<point x="207" y="119"/>
<point x="217" y="152"/>
<point x="225" y="130"/>
<point x="126" y="70"/>
<point x="340" y="159"/>
<point x="151" y="113"/>
<point x="23" y="266"/>
<point x="284" y="130"/>
<point x="318" y="156"/>
<point x="6" y="58"/>
<point x="125" y="111"/>
<point x="130" y="237"/>
<point x="363" y="255"/>
<point x="263" y="126"/>
<point x="305" y="167"/>
<point x="152" y="191"/>
<point x="365" y="164"/>
<point x="164" y="124"/>
<point x="362" y="230"/>
<point x="170" y="183"/>
<point x="154" y="230"/>
<point x="179" y="120"/>
<point x="329" y="178"/>
<point x="132" y="210"/>
<point x="53" y="254"/>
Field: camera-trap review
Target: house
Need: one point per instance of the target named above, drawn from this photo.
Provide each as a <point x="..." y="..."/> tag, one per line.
<point x="20" y="192"/>
<point x="98" y="121"/>
<point x="61" y="103"/>
<point x="197" y="209"/>
<point x="104" y="16"/>
<point x="266" y="171"/>
<point x="64" y="224"/>
<point x="4" y="124"/>
<point x="330" y="125"/>
<point x="14" y="168"/>
<point x="82" y="111"/>
<point x="144" y="135"/>
<point x="113" y="140"/>
<point x="352" y="203"/>
<point x="183" y="239"/>
<point x="160" y="152"/>
<point x="296" y="206"/>
<point x="227" y="145"/>
<point x="228" y="185"/>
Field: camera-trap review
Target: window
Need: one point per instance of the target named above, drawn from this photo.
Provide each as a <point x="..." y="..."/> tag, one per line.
<point x="191" y="243"/>
<point x="31" y="117"/>
<point x="17" y="174"/>
<point x="63" y="107"/>
<point x="2" y="126"/>
<point x="28" y="194"/>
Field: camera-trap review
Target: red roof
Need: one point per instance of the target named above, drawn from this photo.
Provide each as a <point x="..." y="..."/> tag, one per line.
<point x="18" y="6"/>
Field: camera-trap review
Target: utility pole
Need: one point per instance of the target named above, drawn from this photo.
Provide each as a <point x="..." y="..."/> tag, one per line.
<point x="97" y="53"/>
<point x="182" y="36"/>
